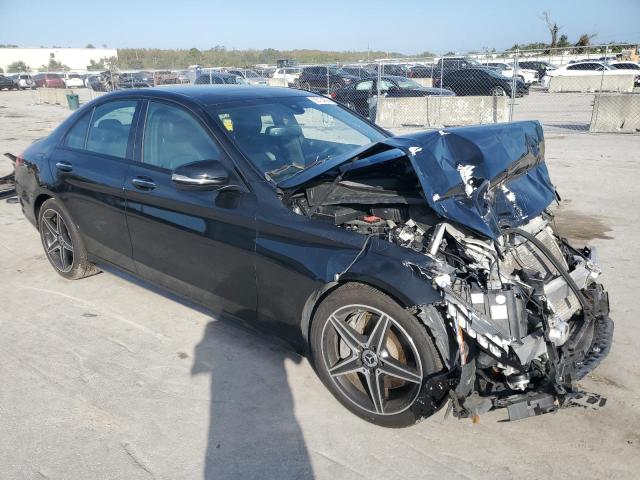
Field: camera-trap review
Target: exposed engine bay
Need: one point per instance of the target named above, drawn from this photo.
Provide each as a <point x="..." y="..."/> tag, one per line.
<point x="524" y="314"/>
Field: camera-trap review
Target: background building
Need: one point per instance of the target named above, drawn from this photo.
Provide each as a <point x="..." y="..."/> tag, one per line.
<point x="36" y="58"/>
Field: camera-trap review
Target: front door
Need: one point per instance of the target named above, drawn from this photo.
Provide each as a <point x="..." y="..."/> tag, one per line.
<point x="197" y="243"/>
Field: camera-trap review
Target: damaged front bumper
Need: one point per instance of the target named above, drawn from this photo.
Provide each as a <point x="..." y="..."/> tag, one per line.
<point x="475" y="394"/>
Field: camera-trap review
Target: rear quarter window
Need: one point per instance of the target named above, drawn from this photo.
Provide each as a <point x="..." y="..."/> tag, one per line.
<point x="77" y="135"/>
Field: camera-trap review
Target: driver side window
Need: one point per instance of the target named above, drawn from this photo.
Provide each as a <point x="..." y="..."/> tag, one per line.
<point x="173" y="137"/>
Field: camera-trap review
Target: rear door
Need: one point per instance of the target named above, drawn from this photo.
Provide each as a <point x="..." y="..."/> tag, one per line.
<point x="89" y="167"/>
<point x="197" y="243"/>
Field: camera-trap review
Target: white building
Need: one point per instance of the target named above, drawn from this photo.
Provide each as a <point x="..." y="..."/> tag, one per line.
<point x="74" y="58"/>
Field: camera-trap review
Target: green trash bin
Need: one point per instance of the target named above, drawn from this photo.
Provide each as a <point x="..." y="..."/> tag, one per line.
<point x="73" y="100"/>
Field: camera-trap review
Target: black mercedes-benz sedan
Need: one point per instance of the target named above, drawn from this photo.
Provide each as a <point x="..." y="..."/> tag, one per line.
<point x="411" y="270"/>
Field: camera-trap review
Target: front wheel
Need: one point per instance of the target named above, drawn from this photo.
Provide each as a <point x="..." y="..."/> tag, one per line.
<point x="374" y="356"/>
<point x="62" y="243"/>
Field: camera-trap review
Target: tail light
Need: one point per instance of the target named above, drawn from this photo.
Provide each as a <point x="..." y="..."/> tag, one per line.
<point x="333" y="95"/>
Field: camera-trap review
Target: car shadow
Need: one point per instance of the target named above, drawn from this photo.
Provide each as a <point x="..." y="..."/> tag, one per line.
<point x="253" y="431"/>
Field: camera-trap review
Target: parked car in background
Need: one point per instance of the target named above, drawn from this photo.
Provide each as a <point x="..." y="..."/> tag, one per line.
<point x="456" y="63"/>
<point x="394" y="69"/>
<point x="422" y="71"/>
<point x="479" y="81"/>
<point x="94" y="82"/>
<point x="324" y="78"/>
<point x="49" y="80"/>
<point x="182" y="76"/>
<point x="589" y="67"/>
<point x="219" y="78"/>
<point x="358" y="71"/>
<point x="507" y="69"/>
<point x="165" y="77"/>
<point x="73" y="80"/>
<point x="265" y="72"/>
<point x="358" y="96"/>
<point x="288" y="75"/>
<point x="540" y="66"/>
<point x="8" y="83"/>
<point x="251" y="77"/>
<point x="24" y="81"/>
<point x="625" y="65"/>
<point x="135" y="80"/>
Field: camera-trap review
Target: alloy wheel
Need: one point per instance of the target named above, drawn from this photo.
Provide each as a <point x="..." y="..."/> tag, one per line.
<point x="57" y="241"/>
<point x="498" y="92"/>
<point x="371" y="359"/>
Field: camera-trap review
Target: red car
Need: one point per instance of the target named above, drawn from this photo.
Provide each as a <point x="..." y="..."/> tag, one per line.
<point x="49" y="80"/>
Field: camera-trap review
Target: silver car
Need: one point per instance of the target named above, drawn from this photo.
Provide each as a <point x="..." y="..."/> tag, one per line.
<point x="250" y="76"/>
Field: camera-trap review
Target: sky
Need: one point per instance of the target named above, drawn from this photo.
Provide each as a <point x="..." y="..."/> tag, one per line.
<point x="405" y="26"/>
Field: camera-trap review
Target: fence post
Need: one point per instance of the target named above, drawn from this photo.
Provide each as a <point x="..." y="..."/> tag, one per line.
<point x="596" y="100"/>
<point x="514" y="82"/>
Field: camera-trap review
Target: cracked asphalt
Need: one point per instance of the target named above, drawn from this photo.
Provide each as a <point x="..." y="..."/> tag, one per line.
<point x="107" y="378"/>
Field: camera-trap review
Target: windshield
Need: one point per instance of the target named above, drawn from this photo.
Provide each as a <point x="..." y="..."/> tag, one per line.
<point x="251" y="74"/>
<point x="283" y="136"/>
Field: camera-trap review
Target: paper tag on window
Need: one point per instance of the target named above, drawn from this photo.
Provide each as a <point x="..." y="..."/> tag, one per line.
<point x="321" y="100"/>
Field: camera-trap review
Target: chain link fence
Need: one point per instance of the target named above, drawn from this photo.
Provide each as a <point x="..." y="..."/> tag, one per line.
<point x="580" y="89"/>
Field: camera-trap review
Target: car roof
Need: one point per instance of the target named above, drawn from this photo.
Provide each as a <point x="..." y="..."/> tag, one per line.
<point x="210" y="94"/>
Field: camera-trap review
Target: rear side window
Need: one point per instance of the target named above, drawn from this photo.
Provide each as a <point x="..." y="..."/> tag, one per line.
<point x="110" y="127"/>
<point x="77" y="135"/>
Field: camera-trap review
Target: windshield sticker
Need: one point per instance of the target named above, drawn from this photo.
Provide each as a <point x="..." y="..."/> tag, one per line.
<point x="321" y="100"/>
<point x="226" y="121"/>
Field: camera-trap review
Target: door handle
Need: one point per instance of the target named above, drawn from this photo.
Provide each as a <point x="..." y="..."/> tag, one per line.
<point x="143" y="183"/>
<point x="64" y="166"/>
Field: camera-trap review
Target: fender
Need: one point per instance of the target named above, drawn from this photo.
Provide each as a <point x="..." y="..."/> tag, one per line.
<point x="382" y="266"/>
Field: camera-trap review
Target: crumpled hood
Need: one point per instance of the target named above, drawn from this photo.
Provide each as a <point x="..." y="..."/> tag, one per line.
<point x="484" y="177"/>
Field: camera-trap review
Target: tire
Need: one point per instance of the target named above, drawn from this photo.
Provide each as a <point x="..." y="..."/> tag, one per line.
<point x="498" y="92"/>
<point x="305" y="86"/>
<point x="335" y="86"/>
<point x="62" y="243"/>
<point x="394" y="363"/>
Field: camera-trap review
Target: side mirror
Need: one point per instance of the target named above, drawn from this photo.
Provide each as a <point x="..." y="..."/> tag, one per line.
<point x="203" y="175"/>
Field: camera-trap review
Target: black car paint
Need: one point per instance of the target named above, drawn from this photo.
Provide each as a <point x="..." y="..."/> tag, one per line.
<point x="8" y="83"/>
<point x="239" y="252"/>
<point x="358" y="100"/>
<point x="323" y="79"/>
<point x="478" y="81"/>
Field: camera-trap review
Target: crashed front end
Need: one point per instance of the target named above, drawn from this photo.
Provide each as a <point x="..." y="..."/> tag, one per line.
<point x="525" y="317"/>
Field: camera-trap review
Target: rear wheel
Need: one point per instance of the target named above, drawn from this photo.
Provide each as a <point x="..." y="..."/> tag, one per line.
<point x="498" y="92"/>
<point x="62" y="243"/>
<point x="305" y="86"/>
<point x="374" y="356"/>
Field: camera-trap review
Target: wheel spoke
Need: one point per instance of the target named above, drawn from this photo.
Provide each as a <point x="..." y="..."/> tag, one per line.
<point x="50" y="225"/>
<point x="352" y="338"/>
<point x="346" y="366"/>
<point x="394" y="368"/>
<point x="375" y="385"/>
<point x="378" y="335"/>
<point x="66" y="244"/>
<point x="55" y="245"/>
<point x="63" y="259"/>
